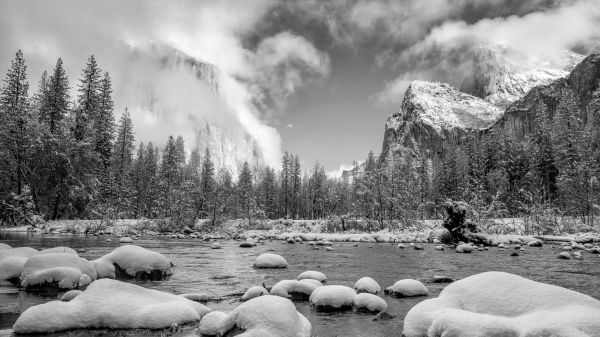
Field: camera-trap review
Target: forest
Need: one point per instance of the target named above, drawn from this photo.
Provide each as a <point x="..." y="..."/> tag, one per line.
<point x="66" y="157"/>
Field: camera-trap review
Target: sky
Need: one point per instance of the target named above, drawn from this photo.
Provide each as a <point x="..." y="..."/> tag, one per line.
<point x="317" y="78"/>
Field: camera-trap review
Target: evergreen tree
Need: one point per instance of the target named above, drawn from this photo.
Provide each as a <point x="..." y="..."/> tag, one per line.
<point x="104" y="128"/>
<point x="245" y="191"/>
<point x="55" y="99"/>
<point x="122" y="159"/>
<point x="207" y="184"/>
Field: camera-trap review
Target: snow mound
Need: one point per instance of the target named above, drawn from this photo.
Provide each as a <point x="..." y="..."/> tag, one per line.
<point x="126" y="239"/>
<point x="4" y="246"/>
<point x="111" y="304"/>
<point x="254" y="292"/>
<point x="133" y="261"/>
<point x="211" y="323"/>
<point x="312" y="275"/>
<point x="293" y="289"/>
<point x="407" y="288"/>
<point x="67" y="270"/>
<point x="69" y="295"/>
<point x="367" y="285"/>
<point x="333" y="297"/>
<point x="264" y="316"/>
<point x="464" y="248"/>
<point x="12" y="261"/>
<point x="369" y="302"/>
<point x="269" y="260"/>
<point x="200" y="297"/>
<point x="491" y="304"/>
<point x="61" y="249"/>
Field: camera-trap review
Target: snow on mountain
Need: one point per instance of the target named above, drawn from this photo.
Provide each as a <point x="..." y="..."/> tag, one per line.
<point x="502" y="74"/>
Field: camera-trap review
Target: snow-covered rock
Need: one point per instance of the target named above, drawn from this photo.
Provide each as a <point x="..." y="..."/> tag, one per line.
<point x="407" y="288"/>
<point x="125" y="239"/>
<point x="215" y="245"/>
<point x="67" y="270"/>
<point x="61" y="249"/>
<point x="69" y="295"/>
<point x="132" y="261"/>
<point x="313" y="275"/>
<point x="564" y="255"/>
<point x="269" y="260"/>
<point x="464" y="248"/>
<point x="492" y="304"/>
<point x="111" y="304"/>
<point x="294" y="289"/>
<point x="253" y="292"/>
<point x="264" y="316"/>
<point x="12" y="261"/>
<point x="200" y="297"/>
<point x="369" y="302"/>
<point x="210" y="324"/>
<point x="367" y="285"/>
<point x="332" y="297"/>
<point x="4" y="246"/>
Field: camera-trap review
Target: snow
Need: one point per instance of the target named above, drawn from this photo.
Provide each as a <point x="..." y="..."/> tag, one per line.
<point x="407" y="288"/>
<point x="464" y="248"/>
<point x="254" y="292"/>
<point x="441" y="106"/>
<point x="211" y="323"/>
<point x="294" y="289"/>
<point x="215" y="245"/>
<point x="12" y="261"/>
<point x="369" y="302"/>
<point x="133" y="260"/>
<point x="200" y="297"/>
<point x="311" y="281"/>
<point x="4" y="246"/>
<point x="68" y="270"/>
<point x="313" y="275"/>
<point x="67" y="250"/>
<point x="332" y="297"/>
<point x="491" y="303"/>
<point x="264" y="316"/>
<point x="69" y="295"/>
<point x="111" y="304"/>
<point x="269" y="260"/>
<point x="126" y="239"/>
<point x="367" y="285"/>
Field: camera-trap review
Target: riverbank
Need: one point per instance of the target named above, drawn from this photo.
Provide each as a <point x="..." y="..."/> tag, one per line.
<point x="283" y="229"/>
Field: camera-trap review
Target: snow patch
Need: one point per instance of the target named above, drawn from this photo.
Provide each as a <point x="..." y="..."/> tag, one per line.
<point x="68" y="270"/>
<point x="332" y="297"/>
<point x="134" y="261"/>
<point x="407" y="288"/>
<point x="313" y="275"/>
<point x="367" y="285"/>
<point x="369" y="302"/>
<point x="269" y="260"/>
<point x="12" y="261"/>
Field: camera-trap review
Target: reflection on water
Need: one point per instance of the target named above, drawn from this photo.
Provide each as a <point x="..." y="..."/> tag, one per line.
<point x="229" y="271"/>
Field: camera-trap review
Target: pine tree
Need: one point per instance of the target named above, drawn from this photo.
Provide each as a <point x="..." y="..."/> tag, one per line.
<point x="55" y="101"/>
<point x="14" y="117"/>
<point x="245" y="191"/>
<point x="285" y="184"/>
<point x="296" y="185"/>
<point x="88" y="99"/>
<point x="122" y="159"/>
<point x="104" y="126"/>
<point x="207" y="184"/>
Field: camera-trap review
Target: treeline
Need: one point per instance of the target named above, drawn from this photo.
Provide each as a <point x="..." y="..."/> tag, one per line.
<point x="64" y="157"/>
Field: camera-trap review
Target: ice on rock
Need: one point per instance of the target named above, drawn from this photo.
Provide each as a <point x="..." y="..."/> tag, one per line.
<point x="132" y="261"/>
<point x="294" y="289"/>
<point x="211" y="323"/>
<point x="264" y="316"/>
<point x="367" y="285"/>
<point x="12" y="261"/>
<point x="333" y="297"/>
<point x="254" y="292"/>
<point x="269" y="260"/>
<point x="67" y="270"/>
<point x="491" y="304"/>
<point x="369" y="302"/>
<point x="111" y="304"/>
<point x="313" y="275"/>
<point x="407" y="288"/>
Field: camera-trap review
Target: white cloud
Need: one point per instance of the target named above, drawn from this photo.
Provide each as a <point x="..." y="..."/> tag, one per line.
<point x="337" y="173"/>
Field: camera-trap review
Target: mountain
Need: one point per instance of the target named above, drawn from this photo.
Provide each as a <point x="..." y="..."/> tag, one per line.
<point x="190" y="103"/>
<point x="502" y="95"/>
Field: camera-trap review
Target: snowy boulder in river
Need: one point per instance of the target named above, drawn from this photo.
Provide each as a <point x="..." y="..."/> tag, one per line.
<point x="294" y="290"/>
<point x="564" y="256"/>
<point x="215" y="245"/>
<point x="111" y="304"/>
<point x="126" y="239"/>
<point x="62" y="270"/>
<point x="333" y="298"/>
<point x="369" y="302"/>
<point x="464" y="248"/>
<point x="264" y="316"/>
<point x="313" y="275"/>
<point x="4" y="246"/>
<point x="53" y="250"/>
<point x="367" y="285"/>
<point x="254" y="292"/>
<point x="492" y="304"/>
<point x="130" y="261"/>
<point x="12" y="261"/>
<point x="269" y="260"/>
<point x="407" y="288"/>
<point x="69" y="295"/>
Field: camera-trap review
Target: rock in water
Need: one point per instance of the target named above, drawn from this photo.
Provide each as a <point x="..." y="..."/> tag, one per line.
<point x="333" y="298"/>
<point x="57" y="270"/>
<point x="564" y="256"/>
<point x="407" y="288"/>
<point x="110" y="304"/>
<point x="130" y="261"/>
<point x="314" y="275"/>
<point x="442" y="279"/>
<point x="254" y="292"/>
<point x="12" y="261"/>
<point x="367" y="285"/>
<point x="264" y="316"/>
<point x="491" y="304"/>
<point x="269" y="260"/>
<point x="383" y="316"/>
<point x="369" y="303"/>
<point x="464" y="248"/>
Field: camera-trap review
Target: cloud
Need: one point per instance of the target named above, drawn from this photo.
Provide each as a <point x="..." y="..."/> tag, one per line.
<point x="252" y="80"/>
<point x="337" y="173"/>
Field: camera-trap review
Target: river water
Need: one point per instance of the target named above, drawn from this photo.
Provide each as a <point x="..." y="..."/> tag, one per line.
<point x="228" y="271"/>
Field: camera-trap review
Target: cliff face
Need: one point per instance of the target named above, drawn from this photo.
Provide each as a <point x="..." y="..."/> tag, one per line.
<point x="518" y="120"/>
<point x="434" y="116"/>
